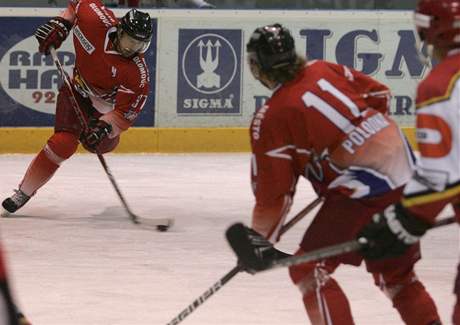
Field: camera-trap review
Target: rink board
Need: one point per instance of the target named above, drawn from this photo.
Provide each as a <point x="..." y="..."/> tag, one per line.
<point x="202" y="95"/>
<point x="167" y="140"/>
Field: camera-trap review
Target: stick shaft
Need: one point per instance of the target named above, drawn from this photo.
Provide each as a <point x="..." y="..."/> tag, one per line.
<point x="334" y="250"/>
<point x="131" y="215"/>
<point x="66" y="79"/>
<point x="227" y="277"/>
<point x="301" y="214"/>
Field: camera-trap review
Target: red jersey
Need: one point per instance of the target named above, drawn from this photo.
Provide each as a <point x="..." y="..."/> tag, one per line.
<point x="330" y="125"/>
<point x="436" y="182"/>
<point x="117" y="86"/>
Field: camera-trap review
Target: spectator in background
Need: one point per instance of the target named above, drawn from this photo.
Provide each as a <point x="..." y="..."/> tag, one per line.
<point x="201" y="4"/>
<point x="131" y="3"/>
<point x="317" y="4"/>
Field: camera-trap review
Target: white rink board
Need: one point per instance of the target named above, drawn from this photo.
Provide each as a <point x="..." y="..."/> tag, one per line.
<point x="76" y="259"/>
<point x="380" y="42"/>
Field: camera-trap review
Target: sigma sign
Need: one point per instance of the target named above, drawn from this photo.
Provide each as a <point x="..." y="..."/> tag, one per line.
<point x="31" y="78"/>
<point x="209" y="80"/>
<point x="346" y="51"/>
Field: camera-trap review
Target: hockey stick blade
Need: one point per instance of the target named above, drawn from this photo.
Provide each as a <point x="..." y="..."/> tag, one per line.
<point x="160" y="224"/>
<point x="335" y="250"/>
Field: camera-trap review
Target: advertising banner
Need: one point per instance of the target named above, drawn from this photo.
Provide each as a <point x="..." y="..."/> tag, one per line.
<point x="196" y="60"/>
<point x="209" y="71"/>
<point x="202" y="78"/>
<point x="29" y="80"/>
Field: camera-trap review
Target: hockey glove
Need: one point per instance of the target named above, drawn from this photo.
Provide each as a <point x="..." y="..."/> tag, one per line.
<point x="391" y="233"/>
<point x="97" y="131"/>
<point x="254" y="252"/>
<point x="52" y="33"/>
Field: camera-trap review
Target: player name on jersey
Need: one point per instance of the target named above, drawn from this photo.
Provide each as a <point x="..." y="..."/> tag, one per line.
<point x="365" y="130"/>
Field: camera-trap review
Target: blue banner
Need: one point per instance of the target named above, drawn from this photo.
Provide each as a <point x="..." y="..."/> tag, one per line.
<point x="209" y="71"/>
<point x="29" y="80"/>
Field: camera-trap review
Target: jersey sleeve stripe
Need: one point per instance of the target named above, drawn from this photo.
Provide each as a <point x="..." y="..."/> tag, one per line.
<point x="431" y="196"/>
<point x="444" y="97"/>
<point x="287" y="203"/>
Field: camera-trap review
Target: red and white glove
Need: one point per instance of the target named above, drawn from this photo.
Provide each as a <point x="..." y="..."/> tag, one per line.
<point x="52" y="33"/>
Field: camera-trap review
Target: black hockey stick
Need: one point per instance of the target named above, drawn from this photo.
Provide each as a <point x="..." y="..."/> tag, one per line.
<point x="227" y="277"/>
<point x="335" y="250"/>
<point x="161" y="224"/>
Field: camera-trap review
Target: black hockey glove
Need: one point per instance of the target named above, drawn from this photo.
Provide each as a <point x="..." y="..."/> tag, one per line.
<point x="391" y="233"/>
<point x="52" y="33"/>
<point x="254" y="252"/>
<point x="97" y="131"/>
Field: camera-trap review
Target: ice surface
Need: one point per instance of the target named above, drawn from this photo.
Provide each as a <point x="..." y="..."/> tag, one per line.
<point x="75" y="258"/>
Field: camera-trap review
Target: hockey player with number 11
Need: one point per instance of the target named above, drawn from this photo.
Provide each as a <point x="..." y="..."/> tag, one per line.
<point x="330" y="124"/>
<point x="110" y="82"/>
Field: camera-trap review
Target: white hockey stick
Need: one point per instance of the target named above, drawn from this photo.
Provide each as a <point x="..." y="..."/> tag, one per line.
<point x="161" y="224"/>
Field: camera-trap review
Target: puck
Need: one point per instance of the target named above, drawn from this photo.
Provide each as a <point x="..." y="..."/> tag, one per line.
<point x="162" y="228"/>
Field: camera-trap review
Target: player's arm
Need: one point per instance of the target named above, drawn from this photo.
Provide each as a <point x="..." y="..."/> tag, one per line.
<point x="130" y="99"/>
<point x="70" y="13"/>
<point x="273" y="178"/>
<point x="376" y="94"/>
<point x="55" y="31"/>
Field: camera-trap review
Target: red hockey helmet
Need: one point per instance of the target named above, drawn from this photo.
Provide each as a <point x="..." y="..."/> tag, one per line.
<point x="438" y="22"/>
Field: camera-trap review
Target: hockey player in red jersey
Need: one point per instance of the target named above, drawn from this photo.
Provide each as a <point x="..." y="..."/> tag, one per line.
<point x="330" y="124"/>
<point x="436" y="182"/>
<point x="110" y="79"/>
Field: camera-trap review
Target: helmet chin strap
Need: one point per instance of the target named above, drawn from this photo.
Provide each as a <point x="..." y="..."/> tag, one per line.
<point x="145" y="47"/>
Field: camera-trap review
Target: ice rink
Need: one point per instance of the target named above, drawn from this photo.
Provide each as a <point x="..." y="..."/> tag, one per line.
<point x="75" y="258"/>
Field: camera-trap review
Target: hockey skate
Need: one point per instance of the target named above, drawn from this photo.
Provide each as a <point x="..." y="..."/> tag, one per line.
<point x="15" y="202"/>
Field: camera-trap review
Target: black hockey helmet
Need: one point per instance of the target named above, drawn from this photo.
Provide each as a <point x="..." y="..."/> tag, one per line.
<point x="273" y="46"/>
<point x="137" y="24"/>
